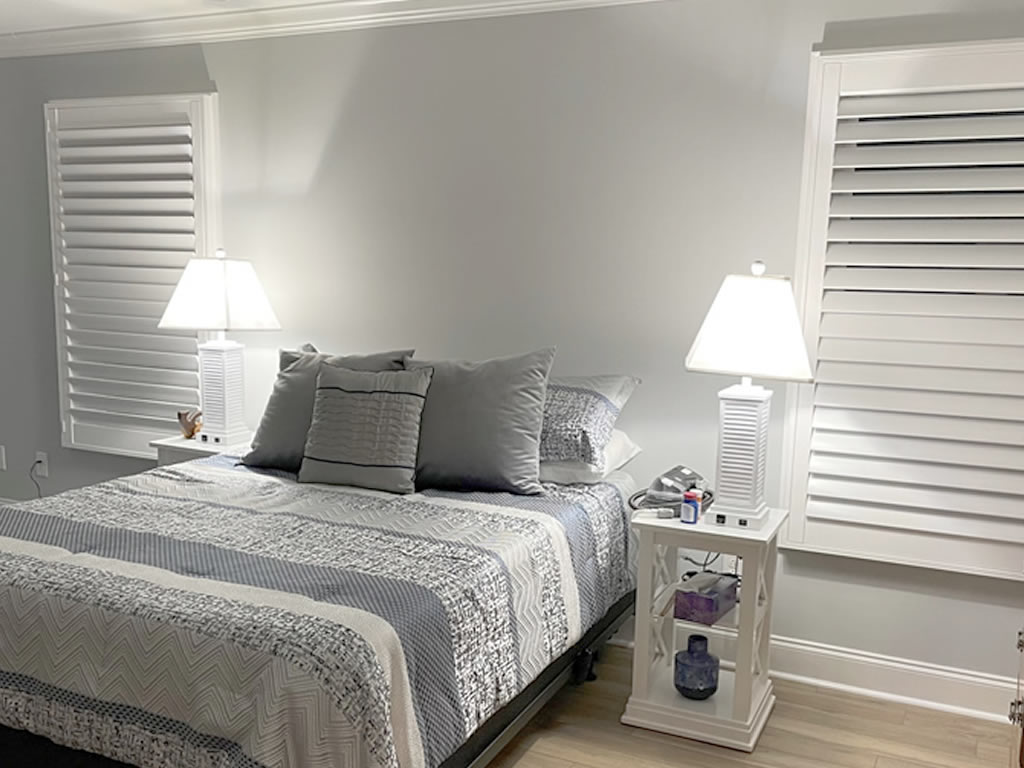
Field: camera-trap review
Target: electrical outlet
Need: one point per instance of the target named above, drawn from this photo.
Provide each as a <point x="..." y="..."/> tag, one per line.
<point x="43" y="465"/>
<point x="3" y="458"/>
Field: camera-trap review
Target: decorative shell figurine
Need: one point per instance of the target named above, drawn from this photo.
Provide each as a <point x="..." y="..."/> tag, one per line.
<point x="191" y="422"/>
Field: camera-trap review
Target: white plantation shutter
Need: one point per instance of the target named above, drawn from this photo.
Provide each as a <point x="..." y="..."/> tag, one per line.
<point x="132" y="199"/>
<point x="909" y="446"/>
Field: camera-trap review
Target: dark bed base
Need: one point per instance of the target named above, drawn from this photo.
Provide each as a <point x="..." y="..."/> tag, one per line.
<point x="491" y="737"/>
<point x="19" y="749"/>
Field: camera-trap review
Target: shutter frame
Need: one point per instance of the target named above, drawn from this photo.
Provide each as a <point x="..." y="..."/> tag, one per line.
<point x="114" y="260"/>
<point x="992" y="545"/>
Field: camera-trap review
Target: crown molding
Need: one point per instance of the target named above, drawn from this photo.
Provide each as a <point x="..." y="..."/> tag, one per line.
<point x="329" y="16"/>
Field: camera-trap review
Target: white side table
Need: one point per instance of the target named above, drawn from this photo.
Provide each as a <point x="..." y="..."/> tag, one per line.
<point x="172" y="450"/>
<point x="736" y="714"/>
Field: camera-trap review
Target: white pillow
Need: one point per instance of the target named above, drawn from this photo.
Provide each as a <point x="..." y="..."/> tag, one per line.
<point x="619" y="452"/>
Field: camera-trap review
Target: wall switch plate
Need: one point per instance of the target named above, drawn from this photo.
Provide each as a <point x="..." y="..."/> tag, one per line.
<point x="3" y="458"/>
<point x="42" y="468"/>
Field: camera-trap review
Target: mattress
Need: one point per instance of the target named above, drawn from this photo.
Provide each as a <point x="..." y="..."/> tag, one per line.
<point x="203" y="614"/>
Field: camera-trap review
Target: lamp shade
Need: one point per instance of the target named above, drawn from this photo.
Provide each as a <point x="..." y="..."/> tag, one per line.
<point x="752" y="329"/>
<point x="219" y="295"/>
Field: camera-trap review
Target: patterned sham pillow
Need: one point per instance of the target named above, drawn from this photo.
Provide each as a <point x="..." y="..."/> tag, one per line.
<point x="620" y="451"/>
<point x="580" y="414"/>
<point x="365" y="429"/>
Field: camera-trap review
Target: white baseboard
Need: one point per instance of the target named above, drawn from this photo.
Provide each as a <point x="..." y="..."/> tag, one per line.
<point x="974" y="694"/>
<point x="908" y="681"/>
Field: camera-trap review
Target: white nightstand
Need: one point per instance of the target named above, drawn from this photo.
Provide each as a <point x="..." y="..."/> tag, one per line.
<point x="172" y="450"/>
<point x="736" y="714"/>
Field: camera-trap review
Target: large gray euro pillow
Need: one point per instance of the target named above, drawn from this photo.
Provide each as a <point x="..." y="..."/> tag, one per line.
<point x="365" y="429"/>
<point x="281" y="435"/>
<point x="482" y="423"/>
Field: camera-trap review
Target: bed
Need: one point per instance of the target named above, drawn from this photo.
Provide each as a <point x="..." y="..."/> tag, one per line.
<point x="204" y="614"/>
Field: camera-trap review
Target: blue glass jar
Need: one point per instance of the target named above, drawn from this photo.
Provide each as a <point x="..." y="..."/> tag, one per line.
<point x="696" y="673"/>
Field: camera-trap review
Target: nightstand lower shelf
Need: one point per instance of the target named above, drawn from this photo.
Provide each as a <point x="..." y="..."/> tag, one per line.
<point x="708" y="720"/>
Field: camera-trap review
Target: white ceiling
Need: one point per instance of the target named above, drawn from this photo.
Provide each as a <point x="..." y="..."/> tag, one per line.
<point x="37" y="27"/>
<point x="37" y="15"/>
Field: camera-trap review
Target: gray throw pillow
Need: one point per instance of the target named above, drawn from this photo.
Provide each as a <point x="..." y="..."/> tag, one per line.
<point x="580" y="414"/>
<point x="365" y="429"/>
<point x="482" y="422"/>
<point x="286" y="357"/>
<point x="281" y="435"/>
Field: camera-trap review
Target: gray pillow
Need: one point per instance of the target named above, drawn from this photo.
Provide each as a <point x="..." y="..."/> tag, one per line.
<point x="286" y="357"/>
<point x="579" y="415"/>
<point x="365" y="429"/>
<point x="281" y="435"/>
<point x="482" y="422"/>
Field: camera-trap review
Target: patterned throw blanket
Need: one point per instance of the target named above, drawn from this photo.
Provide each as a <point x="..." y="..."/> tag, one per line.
<point x="202" y="615"/>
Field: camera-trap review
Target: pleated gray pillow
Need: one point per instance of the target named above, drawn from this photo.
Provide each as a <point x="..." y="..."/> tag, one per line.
<point x="482" y="423"/>
<point x="281" y="435"/>
<point x="365" y="429"/>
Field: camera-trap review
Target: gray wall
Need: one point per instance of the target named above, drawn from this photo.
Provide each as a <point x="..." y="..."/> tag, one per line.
<point x="478" y="188"/>
<point x="29" y="405"/>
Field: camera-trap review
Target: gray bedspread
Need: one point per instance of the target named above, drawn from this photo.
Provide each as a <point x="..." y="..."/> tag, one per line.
<point x="205" y="615"/>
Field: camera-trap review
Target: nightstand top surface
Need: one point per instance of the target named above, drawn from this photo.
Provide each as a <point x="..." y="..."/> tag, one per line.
<point x="671" y="525"/>
<point x="182" y="443"/>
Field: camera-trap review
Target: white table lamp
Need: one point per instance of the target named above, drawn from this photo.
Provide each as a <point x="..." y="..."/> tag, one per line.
<point x="752" y="329"/>
<point x="220" y="295"/>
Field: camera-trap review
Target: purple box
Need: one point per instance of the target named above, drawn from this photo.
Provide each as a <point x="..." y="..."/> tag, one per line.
<point x="706" y="598"/>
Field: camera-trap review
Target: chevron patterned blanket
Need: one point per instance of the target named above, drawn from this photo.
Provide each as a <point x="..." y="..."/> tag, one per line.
<point x="206" y="616"/>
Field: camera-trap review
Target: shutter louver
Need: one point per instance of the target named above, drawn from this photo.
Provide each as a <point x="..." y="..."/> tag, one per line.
<point x="910" y="444"/>
<point x="128" y="209"/>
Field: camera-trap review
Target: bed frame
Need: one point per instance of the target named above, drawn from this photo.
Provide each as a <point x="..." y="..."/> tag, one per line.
<point x="575" y="664"/>
<point x="21" y="749"/>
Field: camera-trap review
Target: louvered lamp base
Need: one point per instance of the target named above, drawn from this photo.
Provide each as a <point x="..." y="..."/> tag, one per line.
<point x="742" y="453"/>
<point x="222" y="380"/>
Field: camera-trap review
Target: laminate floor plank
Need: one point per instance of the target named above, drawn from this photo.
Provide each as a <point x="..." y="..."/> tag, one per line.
<point x="840" y="703"/>
<point x="983" y="730"/>
<point x="936" y="756"/>
<point x="954" y="742"/>
<point x="995" y="753"/>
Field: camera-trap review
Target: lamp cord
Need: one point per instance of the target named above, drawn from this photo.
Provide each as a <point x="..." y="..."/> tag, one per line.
<point x="32" y="477"/>
<point x="636" y="503"/>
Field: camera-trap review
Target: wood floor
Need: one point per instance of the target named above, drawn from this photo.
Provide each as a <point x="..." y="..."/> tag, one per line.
<point x="810" y="728"/>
